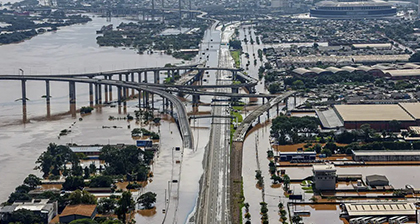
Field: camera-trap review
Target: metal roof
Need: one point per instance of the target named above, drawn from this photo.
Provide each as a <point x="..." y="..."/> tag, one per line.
<point x="372" y="112"/>
<point x="380" y="208"/>
<point x="412" y="108"/>
<point x="82" y="149"/>
<point x="404" y="72"/>
<point x="386" y="153"/>
<point x="351" y="4"/>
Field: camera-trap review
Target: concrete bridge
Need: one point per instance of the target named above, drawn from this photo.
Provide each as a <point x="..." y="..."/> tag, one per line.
<point x="170" y="100"/>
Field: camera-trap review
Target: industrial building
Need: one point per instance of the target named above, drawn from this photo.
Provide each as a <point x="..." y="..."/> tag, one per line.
<point x="353" y="10"/>
<point x="392" y="71"/>
<point x="379" y="116"/>
<point x="388" y="155"/>
<point x="289" y="156"/>
<point x="373" y="210"/>
<point x="325" y="176"/>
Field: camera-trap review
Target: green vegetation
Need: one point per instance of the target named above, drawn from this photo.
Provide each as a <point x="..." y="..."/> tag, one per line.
<point x="126" y="161"/>
<point x="236" y="54"/>
<point x="26" y="27"/>
<point x="145" y="132"/>
<point x="235" y="45"/>
<point x="86" y="110"/>
<point x="82" y="197"/>
<point x="125" y="205"/>
<point x="285" y="129"/>
<point x="101" y="181"/>
<point x="306" y="82"/>
<point x="147" y="200"/>
<point x="53" y="161"/>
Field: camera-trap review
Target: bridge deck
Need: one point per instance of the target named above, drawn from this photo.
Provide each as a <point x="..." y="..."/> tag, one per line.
<point x="242" y="129"/>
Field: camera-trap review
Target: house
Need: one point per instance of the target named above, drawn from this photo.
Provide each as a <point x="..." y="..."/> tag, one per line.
<point x="40" y="207"/>
<point x="74" y="212"/>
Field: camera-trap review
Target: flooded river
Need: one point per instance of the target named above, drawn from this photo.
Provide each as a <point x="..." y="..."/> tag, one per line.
<point x="70" y="49"/>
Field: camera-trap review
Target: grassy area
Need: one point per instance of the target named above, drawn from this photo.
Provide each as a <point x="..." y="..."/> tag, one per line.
<point x="236" y="57"/>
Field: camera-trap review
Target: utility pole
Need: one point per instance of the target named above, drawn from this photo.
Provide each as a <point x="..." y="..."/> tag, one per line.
<point x="153" y="10"/>
<point x="180" y="15"/>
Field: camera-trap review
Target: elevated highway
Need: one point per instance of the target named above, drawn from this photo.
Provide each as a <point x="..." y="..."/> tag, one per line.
<point x="181" y="115"/>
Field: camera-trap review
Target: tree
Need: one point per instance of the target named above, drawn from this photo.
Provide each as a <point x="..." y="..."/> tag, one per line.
<point x="84" y="221"/>
<point x="326" y="151"/>
<point x="86" y="172"/>
<point x="106" y="205"/>
<point x="32" y="181"/>
<point x="147" y="200"/>
<point x="276" y="179"/>
<point x="73" y="182"/>
<point x="296" y="219"/>
<point x="55" y="158"/>
<point x="24" y="216"/>
<point x="92" y="168"/>
<point x="394" y="125"/>
<point x="280" y="205"/>
<point x="125" y="204"/>
<point x="286" y="181"/>
<point x="101" y="181"/>
<point x="82" y="197"/>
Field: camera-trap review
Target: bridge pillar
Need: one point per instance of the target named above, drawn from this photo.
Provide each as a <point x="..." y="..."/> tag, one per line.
<point x="172" y="109"/>
<point x="120" y="77"/>
<point x="91" y="94"/>
<point x="145" y="77"/>
<point x="263" y="99"/>
<point x="72" y="98"/>
<point x="119" y="98"/>
<point x="106" y="90"/>
<point x="96" y="95"/>
<point x="24" y="112"/>
<point x="100" y="93"/>
<point x="132" y="80"/>
<point x="139" y="77"/>
<point x="268" y="113"/>
<point x="294" y="101"/>
<point x="139" y="98"/>
<point x="147" y="100"/>
<point x="156" y="76"/>
<point x="234" y="74"/>
<point x="48" y="97"/>
<point x="277" y="105"/>
<point x="153" y="101"/>
<point x="127" y="94"/>
<point x="110" y="89"/>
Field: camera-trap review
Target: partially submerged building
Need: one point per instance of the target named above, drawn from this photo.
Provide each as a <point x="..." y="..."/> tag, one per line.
<point x="377" y="180"/>
<point x="386" y="155"/>
<point x="325" y="176"/>
<point x="385" y="209"/>
<point x="40" y="207"/>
